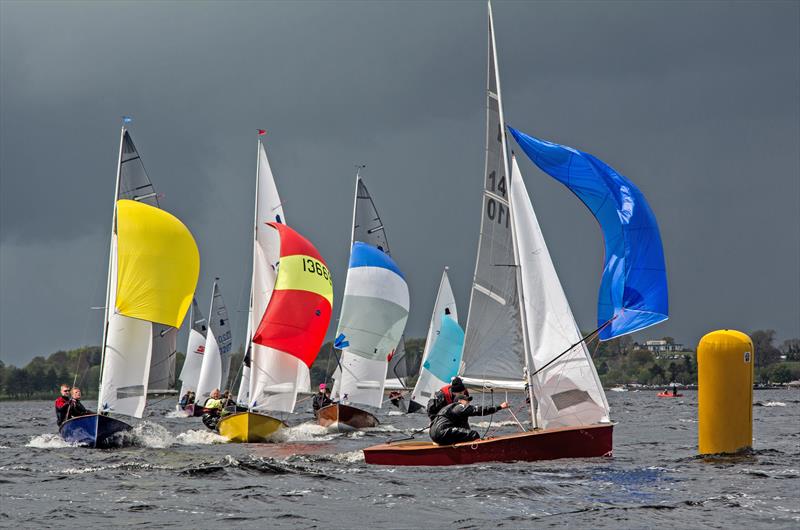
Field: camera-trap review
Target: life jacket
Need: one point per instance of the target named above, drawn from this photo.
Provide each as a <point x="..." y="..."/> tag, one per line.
<point x="448" y="394"/>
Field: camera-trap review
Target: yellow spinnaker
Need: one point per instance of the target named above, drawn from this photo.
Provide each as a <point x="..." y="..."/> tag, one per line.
<point x="157" y="264"/>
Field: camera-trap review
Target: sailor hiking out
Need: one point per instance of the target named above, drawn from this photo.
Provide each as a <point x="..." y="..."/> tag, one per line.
<point x="451" y="424"/>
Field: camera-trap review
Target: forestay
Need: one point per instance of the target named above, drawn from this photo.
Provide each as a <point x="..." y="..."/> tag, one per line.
<point x="494" y="351"/>
<point x="568" y="391"/>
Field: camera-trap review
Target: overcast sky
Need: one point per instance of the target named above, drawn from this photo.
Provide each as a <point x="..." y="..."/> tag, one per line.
<point x="697" y="103"/>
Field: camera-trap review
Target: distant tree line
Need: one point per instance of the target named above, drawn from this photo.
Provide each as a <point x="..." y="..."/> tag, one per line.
<point x="618" y="361"/>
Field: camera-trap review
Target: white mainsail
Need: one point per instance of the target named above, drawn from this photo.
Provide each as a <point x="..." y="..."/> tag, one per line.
<point x="494" y="349"/>
<point x="519" y="318"/>
<point x="274" y="377"/>
<point x="217" y="338"/>
<point x="195" y="347"/>
<point x="428" y="382"/>
<point x="568" y="391"/>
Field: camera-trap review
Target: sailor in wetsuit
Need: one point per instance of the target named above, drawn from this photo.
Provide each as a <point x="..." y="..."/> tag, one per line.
<point x="62" y="405"/>
<point x="444" y="396"/>
<point x="76" y="408"/>
<point x="451" y="424"/>
<point x="321" y="398"/>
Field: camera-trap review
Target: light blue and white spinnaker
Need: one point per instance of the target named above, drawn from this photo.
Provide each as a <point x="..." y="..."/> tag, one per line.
<point x="372" y="320"/>
<point x="441" y="358"/>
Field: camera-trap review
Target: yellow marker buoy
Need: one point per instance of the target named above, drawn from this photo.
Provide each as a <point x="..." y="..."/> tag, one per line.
<point x="725" y="392"/>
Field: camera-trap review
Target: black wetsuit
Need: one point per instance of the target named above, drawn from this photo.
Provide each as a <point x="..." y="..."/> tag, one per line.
<point x="76" y="409"/>
<point x="451" y="424"/>
<point x="320" y="400"/>
<point x="62" y="406"/>
<point x="441" y="398"/>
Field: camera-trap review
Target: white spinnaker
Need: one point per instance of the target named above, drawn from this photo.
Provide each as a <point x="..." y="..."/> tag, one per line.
<point x="568" y="391"/>
<point x="211" y="369"/>
<point x="428" y="384"/>
<point x="275" y="376"/>
<point x="494" y="349"/>
<point x="126" y="366"/>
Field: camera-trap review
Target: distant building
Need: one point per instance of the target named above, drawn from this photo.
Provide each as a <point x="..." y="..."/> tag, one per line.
<point x="660" y="346"/>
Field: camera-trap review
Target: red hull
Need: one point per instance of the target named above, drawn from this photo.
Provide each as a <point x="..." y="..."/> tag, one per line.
<point x="345" y="418"/>
<point x="549" y="444"/>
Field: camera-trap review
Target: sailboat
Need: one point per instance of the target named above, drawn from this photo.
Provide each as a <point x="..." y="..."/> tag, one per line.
<point x="217" y="349"/>
<point x="152" y="273"/>
<point x="193" y="362"/>
<point x="291" y="301"/>
<point x="441" y="358"/>
<point x="371" y="322"/>
<point x="520" y="332"/>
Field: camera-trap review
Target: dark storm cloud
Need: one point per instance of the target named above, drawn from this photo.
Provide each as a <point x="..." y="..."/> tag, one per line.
<point x="696" y="102"/>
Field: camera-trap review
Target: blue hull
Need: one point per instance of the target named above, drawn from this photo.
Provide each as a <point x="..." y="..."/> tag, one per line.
<point x="99" y="432"/>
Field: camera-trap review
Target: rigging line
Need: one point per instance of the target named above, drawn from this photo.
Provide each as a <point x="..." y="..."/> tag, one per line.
<point x="587" y="337"/>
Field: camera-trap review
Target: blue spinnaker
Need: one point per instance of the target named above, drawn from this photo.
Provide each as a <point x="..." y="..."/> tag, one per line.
<point x="444" y="359"/>
<point x="634" y="284"/>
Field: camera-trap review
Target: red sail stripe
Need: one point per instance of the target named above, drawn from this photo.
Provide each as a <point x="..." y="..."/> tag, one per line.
<point x="293" y="243"/>
<point x="295" y="322"/>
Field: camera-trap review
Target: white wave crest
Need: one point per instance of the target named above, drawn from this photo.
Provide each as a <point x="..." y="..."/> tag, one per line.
<point x="305" y="432"/>
<point x="200" y="437"/>
<point x="350" y="457"/>
<point x="48" y="441"/>
<point x="176" y="414"/>
<point x="148" y="434"/>
<point x="774" y="404"/>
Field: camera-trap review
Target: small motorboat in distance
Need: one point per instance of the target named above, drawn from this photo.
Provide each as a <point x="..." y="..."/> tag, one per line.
<point x="668" y="394"/>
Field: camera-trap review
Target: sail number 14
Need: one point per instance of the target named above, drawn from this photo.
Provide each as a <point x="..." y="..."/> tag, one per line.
<point x="497" y="211"/>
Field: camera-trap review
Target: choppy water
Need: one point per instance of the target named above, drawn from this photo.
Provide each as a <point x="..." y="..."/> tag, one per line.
<point x="181" y="475"/>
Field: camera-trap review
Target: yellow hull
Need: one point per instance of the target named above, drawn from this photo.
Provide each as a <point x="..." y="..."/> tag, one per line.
<point x="249" y="427"/>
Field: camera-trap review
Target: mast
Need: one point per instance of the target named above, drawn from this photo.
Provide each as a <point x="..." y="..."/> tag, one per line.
<point x="525" y="338"/>
<point x="355" y="202"/>
<point x="249" y="337"/>
<point x="108" y="276"/>
<point x="509" y="176"/>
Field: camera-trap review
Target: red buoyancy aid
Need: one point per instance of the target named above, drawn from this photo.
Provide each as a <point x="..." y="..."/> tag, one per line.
<point x="448" y="393"/>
